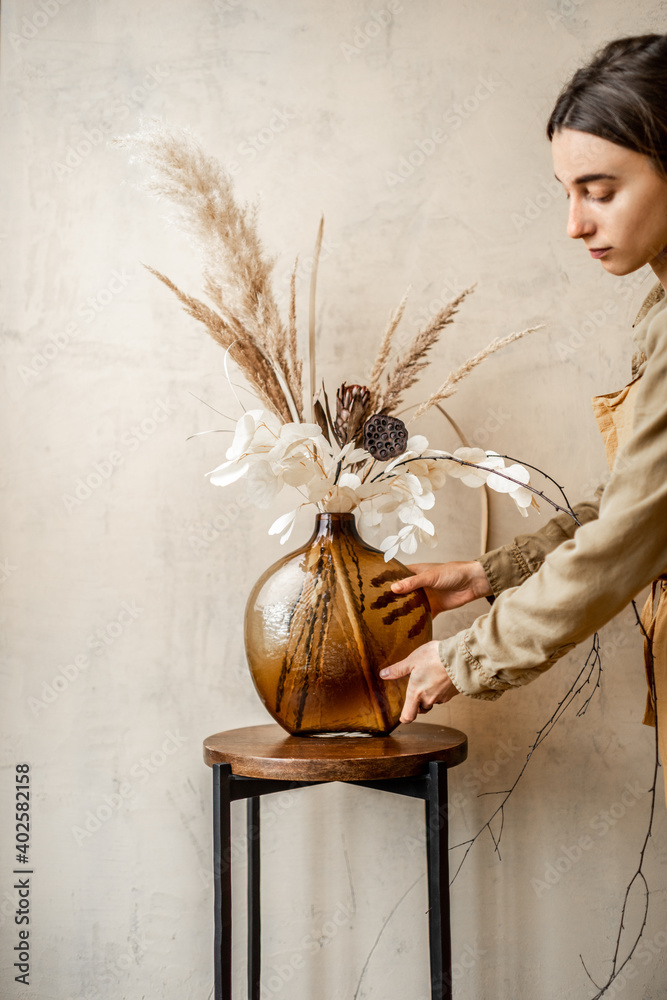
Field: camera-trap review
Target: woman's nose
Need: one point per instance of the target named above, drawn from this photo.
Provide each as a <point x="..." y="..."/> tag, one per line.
<point x="579" y="224"/>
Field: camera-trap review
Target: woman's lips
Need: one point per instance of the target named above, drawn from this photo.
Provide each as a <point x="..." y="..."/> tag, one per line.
<point x="598" y="252"/>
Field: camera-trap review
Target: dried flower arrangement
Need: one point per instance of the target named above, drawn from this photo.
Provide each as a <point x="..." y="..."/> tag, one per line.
<point x="359" y="457"/>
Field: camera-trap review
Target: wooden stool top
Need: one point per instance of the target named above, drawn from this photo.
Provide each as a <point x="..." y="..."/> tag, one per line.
<point x="270" y="752"/>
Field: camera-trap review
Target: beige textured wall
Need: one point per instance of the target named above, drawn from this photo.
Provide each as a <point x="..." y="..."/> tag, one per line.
<point x="122" y="608"/>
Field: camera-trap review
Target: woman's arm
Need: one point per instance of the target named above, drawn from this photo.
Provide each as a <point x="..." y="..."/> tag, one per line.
<point x="587" y="580"/>
<point x="510" y="565"/>
<point x="452" y="584"/>
<point x="581" y="585"/>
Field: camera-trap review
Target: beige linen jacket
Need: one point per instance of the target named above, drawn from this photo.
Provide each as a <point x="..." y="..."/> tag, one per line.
<point x="556" y="587"/>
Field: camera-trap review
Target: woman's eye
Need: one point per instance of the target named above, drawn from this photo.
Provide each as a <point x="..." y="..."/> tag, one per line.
<point x="601" y="198"/>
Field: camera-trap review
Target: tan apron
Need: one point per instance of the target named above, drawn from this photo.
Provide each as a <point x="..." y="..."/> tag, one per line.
<point x="614" y="414"/>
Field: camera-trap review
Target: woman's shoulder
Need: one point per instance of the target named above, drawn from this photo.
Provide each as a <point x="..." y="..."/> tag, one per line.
<point x="650" y="327"/>
<point x="656" y="295"/>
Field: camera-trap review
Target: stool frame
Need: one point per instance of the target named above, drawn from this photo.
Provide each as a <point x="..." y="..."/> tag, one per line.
<point x="431" y="786"/>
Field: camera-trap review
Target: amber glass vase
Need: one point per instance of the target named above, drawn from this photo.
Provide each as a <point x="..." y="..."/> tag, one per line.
<point x="321" y="623"/>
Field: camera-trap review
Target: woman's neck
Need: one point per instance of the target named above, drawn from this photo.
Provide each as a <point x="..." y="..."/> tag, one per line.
<point x="659" y="268"/>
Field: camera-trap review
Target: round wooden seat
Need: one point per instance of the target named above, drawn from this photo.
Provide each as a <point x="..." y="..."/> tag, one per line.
<point x="270" y="752"/>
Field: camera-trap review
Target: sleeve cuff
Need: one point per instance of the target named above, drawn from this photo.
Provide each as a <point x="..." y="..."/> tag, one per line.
<point x="466" y="679"/>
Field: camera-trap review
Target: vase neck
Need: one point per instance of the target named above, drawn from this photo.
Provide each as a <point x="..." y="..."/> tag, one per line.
<point x="335" y="525"/>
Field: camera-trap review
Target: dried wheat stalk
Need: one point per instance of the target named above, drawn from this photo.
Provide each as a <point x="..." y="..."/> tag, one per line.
<point x="294" y="361"/>
<point x="237" y="273"/>
<point x="250" y="358"/>
<point x="385" y="350"/>
<point x="407" y="366"/>
<point x="452" y="380"/>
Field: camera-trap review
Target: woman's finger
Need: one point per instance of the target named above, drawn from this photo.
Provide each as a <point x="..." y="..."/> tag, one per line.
<point x="410" y="583"/>
<point x="400" y="669"/>
<point x="411" y="707"/>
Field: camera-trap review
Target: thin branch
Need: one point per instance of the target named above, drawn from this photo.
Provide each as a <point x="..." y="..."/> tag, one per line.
<point x="472" y="465"/>
<point x="593" y="664"/>
<point x="639" y="875"/>
<point x="570" y="509"/>
<point x="381" y="932"/>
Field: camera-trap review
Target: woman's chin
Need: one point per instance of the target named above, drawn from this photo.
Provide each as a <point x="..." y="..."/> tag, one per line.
<point x="620" y="268"/>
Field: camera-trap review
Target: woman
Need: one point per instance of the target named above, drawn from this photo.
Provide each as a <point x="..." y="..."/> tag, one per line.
<point x="608" y="133"/>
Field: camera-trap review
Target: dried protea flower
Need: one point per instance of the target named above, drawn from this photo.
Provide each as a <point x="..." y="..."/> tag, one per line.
<point x="385" y="437"/>
<point x="352" y="403"/>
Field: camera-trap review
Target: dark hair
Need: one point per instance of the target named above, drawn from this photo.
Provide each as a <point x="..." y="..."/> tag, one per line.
<point x="620" y="96"/>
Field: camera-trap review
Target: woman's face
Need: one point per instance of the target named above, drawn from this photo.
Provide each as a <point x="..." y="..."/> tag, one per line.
<point x="618" y="202"/>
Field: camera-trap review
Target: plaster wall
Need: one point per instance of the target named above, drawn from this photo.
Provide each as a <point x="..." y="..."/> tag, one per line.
<point x="122" y="601"/>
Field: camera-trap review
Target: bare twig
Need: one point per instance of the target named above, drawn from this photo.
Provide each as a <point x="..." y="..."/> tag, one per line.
<point x="639" y="876"/>
<point x="570" y="510"/>
<point x="591" y="668"/>
<point x="472" y="465"/>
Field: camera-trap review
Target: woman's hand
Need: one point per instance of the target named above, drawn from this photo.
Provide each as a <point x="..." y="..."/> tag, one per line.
<point x="429" y="682"/>
<point x="447" y="585"/>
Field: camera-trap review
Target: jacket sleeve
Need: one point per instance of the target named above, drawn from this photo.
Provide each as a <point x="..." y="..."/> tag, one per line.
<point x="589" y="578"/>
<point x="510" y="565"/>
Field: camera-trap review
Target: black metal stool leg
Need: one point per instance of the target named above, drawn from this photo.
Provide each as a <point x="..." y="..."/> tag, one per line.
<point x="437" y="845"/>
<point x="254" y="912"/>
<point x="222" y="881"/>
